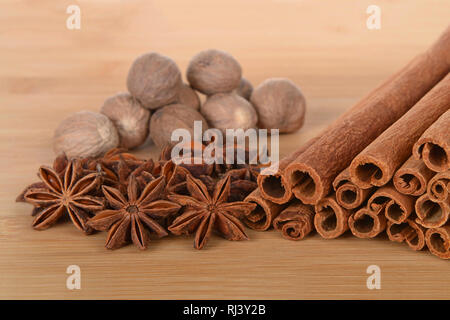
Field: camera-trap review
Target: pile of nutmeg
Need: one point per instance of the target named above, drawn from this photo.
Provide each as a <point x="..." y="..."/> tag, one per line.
<point x="158" y="102"/>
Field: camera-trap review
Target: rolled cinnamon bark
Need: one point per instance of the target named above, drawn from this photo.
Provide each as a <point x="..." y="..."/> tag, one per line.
<point x="438" y="241"/>
<point x="408" y="231"/>
<point x="439" y="187"/>
<point x="274" y="187"/>
<point x="331" y="220"/>
<point x="265" y="212"/>
<point x="395" y="206"/>
<point x="431" y="214"/>
<point x="433" y="147"/>
<point x="311" y="174"/>
<point x="349" y="195"/>
<point x="296" y="221"/>
<point x="376" y="164"/>
<point x="412" y="177"/>
<point x="366" y="223"/>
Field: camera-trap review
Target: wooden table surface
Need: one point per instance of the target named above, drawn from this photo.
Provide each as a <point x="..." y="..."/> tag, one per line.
<point x="48" y="71"/>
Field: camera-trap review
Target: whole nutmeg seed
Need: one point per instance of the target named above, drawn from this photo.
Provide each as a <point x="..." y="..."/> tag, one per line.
<point x="175" y="116"/>
<point x="85" y="134"/>
<point x="229" y="111"/>
<point x="214" y="71"/>
<point x="154" y="80"/>
<point x="129" y="117"/>
<point x="245" y="89"/>
<point x="188" y="97"/>
<point x="280" y="105"/>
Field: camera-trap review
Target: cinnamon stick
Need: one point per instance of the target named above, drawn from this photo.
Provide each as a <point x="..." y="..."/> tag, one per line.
<point x="412" y="177"/>
<point x="331" y="220"/>
<point x="431" y="214"/>
<point x="395" y="206"/>
<point x="349" y="195"/>
<point x="296" y="221"/>
<point x="433" y="147"/>
<point x="310" y="175"/>
<point x="275" y="187"/>
<point x="265" y="212"/>
<point x="438" y="241"/>
<point x="409" y="232"/>
<point x="366" y="223"/>
<point x="377" y="163"/>
<point x="438" y="189"/>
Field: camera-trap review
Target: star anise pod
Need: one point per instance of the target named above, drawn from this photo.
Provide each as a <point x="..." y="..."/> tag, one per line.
<point x="134" y="215"/>
<point x="195" y="165"/>
<point x="243" y="182"/>
<point x="59" y="165"/>
<point x="65" y="194"/>
<point x="204" y="212"/>
<point x="117" y="166"/>
<point x="242" y="171"/>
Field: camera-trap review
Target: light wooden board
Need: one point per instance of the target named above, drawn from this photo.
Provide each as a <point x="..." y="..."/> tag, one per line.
<point x="48" y="71"/>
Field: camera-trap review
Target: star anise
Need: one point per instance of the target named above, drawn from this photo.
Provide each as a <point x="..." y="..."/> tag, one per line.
<point x="117" y="165"/>
<point x="66" y="193"/>
<point x="134" y="215"/>
<point x="243" y="182"/>
<point x="59" y="165"/>
<point x="204" y="212"/>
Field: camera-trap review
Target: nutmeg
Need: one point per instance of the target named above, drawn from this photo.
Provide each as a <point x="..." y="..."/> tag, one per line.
<point x="188" y="97"/>
<point x="280" y="105"/>
<point x="129" y="117"/>
<point x="85" y="134"/>
<point x="154" y="80"/>
<point x="214" y="71"/>
<point x="175" y="116"/>
<point x="229" y="111"/>
<point x="245" y="89"/>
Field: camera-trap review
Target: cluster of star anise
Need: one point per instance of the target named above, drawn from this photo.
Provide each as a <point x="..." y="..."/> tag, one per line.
<point x="135" y="200"/>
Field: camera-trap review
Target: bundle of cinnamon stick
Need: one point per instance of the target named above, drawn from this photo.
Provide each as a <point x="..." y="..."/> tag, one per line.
<point x="383" y="166"/>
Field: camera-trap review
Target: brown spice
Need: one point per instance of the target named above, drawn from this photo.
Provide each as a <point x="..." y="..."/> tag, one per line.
<point x="154" y="80"/>
<point x="412" y="177"/>
<point x="214" y="71"/>
<point x="274" y="186"/>
<point x="408" y="231"/>
<point x="438" y="189"/>
<point x="431" y="214"/>
<point x="65" y="194"/>
<point x="245" y="89"/>
<point x="129" y="117"/>
<point x="243" y="182"/>
<point x="59" y="165"/>
<point x="296" y="221"/>
<point x="376" y="164"/>
<point x="433" y="147"/>
<point x="280" y="105"/>
<point x="438" y="241"/>
<point x="349" y="195"/>
<point x="175" y="116"/>
<point x="331" y="220"/>
<point x="312" y="173"/>
<point x="388" y="201"/>
<point x="366" y="223"/>
<point x="188" y="97"/>
<point x="134" y="215"/>
<point x="262" y="216"/>
<point x="203" y="212"/>
<point x="229" y="111"/>
<point x="85" y="134"/>
<point x="117" y="165"/>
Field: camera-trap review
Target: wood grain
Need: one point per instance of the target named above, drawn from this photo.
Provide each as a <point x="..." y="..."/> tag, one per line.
<point x="48" y="71"/>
